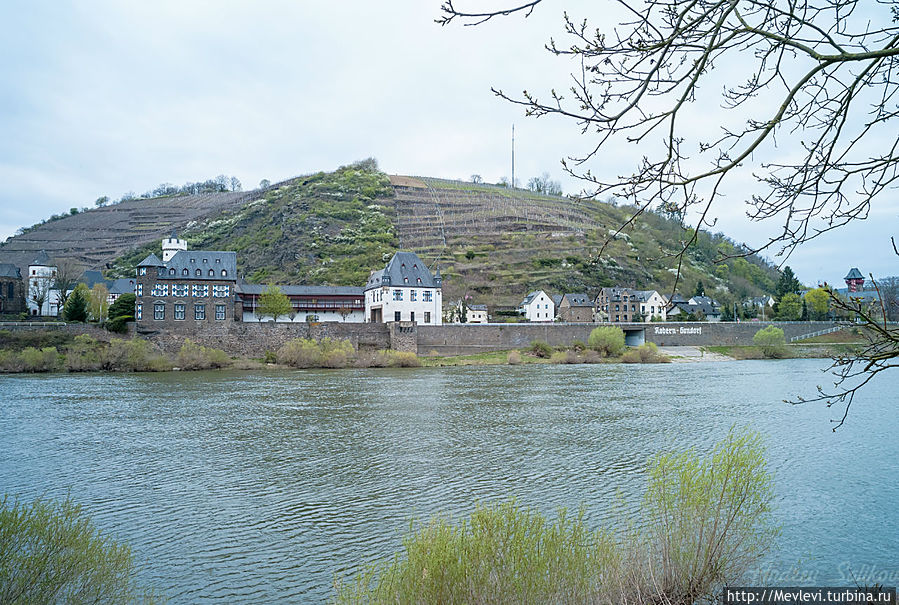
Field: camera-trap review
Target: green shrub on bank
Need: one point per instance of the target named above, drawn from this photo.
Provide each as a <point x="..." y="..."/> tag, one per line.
<point x="540" y="349"/>
<point x="39" y="360"/>
<point x="119" y="324"/>
<point x="646" y="353"/>
<point x="53" y="553"/>
<point x="84" y="355"/>
<point x="772" y="342"/>
<point x="192" y="356"/>
<point x="705" y="521"/>
<point x="309" y="353"/>
<point x="608" y="341"/>
<point x="134" y="355"/>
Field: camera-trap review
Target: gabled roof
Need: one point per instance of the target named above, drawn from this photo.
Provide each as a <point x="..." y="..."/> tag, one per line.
<point x="41" y="260"/>
<point x="10" y="270"/>
<point x="123" y="285"/>
<point x="93" y="277"/>
<point x="854" y="273"/>
<point x="557" y="299"/>
<point x="204" y="260"/>
<point x="405" y="269"/>
<point x="577" y="299"/>
<point x="477" y="307"/>
<point x="151" y="261"/>
<point x="530" y="297"/>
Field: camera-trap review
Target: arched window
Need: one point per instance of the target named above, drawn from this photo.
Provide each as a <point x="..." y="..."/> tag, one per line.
<point x="211" y="273"/>
<point x="224" y="273"/>
<point x="172" y="271"/>
<point x="199" y="272"/>
<point x="184" y="271"/>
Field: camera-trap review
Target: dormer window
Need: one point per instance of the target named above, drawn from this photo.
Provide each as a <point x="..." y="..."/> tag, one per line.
<point x="211" y="273"/>
<point x="193" y="260"/>
<point x="172" y="271"/>
<point x="218" y="261"/>
<point x="403" y="266"/>
<point x="415" y="266"/>
<point x="224" y="273"/>
<point x="205" y="261"/>
<point x="198" y="273"/>
<point x="405" y="280"/>
<point x="184" y="271"/>
<point x="419" y="280"/>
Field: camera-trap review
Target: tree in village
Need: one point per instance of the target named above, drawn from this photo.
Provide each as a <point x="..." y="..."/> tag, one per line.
<point x="98" y="303"/>
<point x="700" y="289"/>
<point x="820" y="79"/>
<point x="273" y="303"/>
<point x="68" y="272"/>
<point x="76" y="306"/>
<point x="818" y="301"/>
<point x="786" y="284"/>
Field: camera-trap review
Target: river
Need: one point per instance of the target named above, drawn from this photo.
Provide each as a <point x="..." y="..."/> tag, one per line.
<point x="260" y="487"/>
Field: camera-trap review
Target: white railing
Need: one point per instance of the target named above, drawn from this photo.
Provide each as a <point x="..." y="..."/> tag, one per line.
<point x="818" y="333"/>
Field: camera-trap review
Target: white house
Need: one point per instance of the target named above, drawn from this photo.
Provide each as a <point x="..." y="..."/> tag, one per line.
<point x="404" y="290"/>
<point x="538" y="306"/>
<point x="41" y="284"/>
<point x="477" y="314"/>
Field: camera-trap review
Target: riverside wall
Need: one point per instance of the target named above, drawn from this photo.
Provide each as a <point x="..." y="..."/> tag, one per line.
<point x="467" y="339"/>
<point x="254" y="339"/>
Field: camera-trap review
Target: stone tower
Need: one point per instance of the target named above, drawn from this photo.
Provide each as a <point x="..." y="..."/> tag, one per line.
<point x="855" y="281"/>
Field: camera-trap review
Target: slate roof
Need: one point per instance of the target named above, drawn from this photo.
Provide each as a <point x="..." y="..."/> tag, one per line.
<point x="123" y="285"/>
<point x="405" y="269"/>
<point x="93" y="277"/>
<point x="478" y="307"/>
<point x="10" y="270"/>
<point x="557" y="299"/>
<point x="245" y="288"/>
<point x="530" y="297"/>
<point x="854" y="273"/>
<point x="615" y="294"/>
<point x="204" y="260"/>
<point x="41" y="260"/>
<point x="578" y="299"/>
<point x="151" y="261"/>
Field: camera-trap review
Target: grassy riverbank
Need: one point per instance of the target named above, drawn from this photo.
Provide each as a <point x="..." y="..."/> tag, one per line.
<point x="791" y="351"/>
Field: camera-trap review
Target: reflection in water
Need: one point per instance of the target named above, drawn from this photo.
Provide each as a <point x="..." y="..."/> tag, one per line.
<point x="260" y="487"/>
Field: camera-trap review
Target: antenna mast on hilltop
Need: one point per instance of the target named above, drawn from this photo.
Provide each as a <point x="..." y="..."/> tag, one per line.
<point x="513" y="156"/>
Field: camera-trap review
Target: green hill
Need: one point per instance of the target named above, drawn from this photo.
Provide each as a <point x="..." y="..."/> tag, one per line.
<point x="492" y="243"/>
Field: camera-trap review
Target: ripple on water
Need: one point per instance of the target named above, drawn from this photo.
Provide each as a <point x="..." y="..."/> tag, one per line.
<point x="234" y="487"/>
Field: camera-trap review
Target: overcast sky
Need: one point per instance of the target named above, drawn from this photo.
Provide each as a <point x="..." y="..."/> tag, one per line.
<point x="103" y="98"/>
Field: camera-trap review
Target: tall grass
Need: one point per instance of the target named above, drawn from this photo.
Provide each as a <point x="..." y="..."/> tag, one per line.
<point x="704" y="523"/>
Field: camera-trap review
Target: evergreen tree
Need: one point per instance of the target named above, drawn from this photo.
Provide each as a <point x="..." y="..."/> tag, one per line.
<point x="700" y="289"/>
<point x="76" y="305"/>
<point x="787" y="284"/>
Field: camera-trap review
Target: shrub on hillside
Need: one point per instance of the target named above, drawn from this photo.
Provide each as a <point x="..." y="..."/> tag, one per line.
<point x="193" y="356"/>
<point x="119" y="324"/>
<point x="772" y="342"/>
<point x="704" y="523"/>
<point x="608" y="341"/>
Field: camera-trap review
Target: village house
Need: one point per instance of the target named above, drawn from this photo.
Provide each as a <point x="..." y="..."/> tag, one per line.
<point x="477" y="314"/>
<point x="575" y="308"/>
<point x="619" y="305"/>
<point x="12" y="289"/>
<point x="537" y="306"/>
<point x="700" y="307"/>
<point x="404" y="290"/>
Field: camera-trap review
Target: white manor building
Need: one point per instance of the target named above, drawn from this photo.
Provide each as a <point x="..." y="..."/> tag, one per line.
<point x="41" y="286"/>
<point x="404" y="290"/>
<point x="538" y="306"/>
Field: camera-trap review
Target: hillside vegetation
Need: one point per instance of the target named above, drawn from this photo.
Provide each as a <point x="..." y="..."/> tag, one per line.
<point x="492" y="243"/>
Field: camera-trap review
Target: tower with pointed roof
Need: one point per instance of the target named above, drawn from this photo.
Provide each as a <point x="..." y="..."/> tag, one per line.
<point x="855" y="281"/>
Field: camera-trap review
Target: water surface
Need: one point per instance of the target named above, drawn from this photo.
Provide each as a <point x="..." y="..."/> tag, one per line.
<point x="246" y="487"/>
